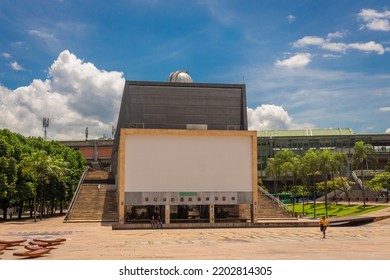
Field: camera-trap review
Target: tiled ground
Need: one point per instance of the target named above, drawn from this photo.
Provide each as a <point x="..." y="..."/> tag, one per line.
<point x="96" y="241"/>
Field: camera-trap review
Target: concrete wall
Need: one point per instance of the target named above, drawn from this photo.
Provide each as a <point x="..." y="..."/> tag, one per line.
<point x="188" y="163"/>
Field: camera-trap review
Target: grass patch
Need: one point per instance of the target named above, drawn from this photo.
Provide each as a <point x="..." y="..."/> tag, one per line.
<point x="334" y="210"/>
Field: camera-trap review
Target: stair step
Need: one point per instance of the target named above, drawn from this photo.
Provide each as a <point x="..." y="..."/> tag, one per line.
<point x="96" y="201"/>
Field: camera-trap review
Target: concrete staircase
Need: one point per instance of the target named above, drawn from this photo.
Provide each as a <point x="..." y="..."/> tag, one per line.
<point x="99" y="177"/>
<point x="96" y="200"/>
<point x="269" y="209"/>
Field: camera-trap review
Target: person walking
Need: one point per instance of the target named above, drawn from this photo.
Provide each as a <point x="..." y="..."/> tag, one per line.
<point x="324" y="224"/>
<point x="156" y="219"/>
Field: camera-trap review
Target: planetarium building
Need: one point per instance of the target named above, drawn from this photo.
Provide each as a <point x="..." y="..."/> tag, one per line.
<point x="183" y="149"/>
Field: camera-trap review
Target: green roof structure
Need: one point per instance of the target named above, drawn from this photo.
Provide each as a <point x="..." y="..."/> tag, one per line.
<point x="306" y="132"/>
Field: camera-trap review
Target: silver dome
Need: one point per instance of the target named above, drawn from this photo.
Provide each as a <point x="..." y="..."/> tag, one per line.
<point x="180" y="76"/>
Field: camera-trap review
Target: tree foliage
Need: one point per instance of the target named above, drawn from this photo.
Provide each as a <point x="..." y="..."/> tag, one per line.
<point x="319" y="171"/>
<point x="381" y="181"/>
<point x="363" y="154"/>
<point x="35" y="172"/>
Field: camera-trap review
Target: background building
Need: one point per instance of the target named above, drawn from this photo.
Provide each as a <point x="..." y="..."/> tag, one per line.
<point x="337" y="140"/>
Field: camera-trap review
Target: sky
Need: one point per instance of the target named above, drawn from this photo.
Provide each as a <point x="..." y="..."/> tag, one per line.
<point x="306" y="64"/>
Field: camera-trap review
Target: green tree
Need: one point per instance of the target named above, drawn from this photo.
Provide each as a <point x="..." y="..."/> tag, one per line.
<point x="325" y="168"/>
<point x="45" y="171"/>
<point x="338" y="163"/>
<point x="363" y="153"/>
<point x="310" y="165"/>
<point x="286" y="160"/>
<point x="387" y="167"/>
<point x="8" y="175"/>
<point x="56" y="170"/>
<point x="303" y="191"/>
<point x="33" y="166"/>
<point x="381" y="181"/>
<point x="273" y="170"/>
<point x="296" y="166"/>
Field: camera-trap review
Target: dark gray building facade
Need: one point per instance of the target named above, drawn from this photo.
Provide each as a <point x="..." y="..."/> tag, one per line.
<point x="181" y="105"/>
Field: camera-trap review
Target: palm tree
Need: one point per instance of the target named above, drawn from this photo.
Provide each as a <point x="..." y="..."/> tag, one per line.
<point x="273" y="169"/>
<point x="325" y="158"/>
<point x="310" y="168"/>
<point x="285" y="159"/>
<point x="339" y="163"/>
<point x="56" y="169"/>
<point x="362" y="153"/>
<point x="296" y="166"/>
<point x="32" y="167"/>
<point x="42" y="169"/>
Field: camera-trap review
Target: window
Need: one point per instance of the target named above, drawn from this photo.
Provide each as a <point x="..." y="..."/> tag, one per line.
<point x="146" y="198"/>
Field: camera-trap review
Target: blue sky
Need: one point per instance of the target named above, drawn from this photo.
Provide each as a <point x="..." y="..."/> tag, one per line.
<point x="306" y="64"/>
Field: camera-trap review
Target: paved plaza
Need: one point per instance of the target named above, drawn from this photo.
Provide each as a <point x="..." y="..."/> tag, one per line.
<point x="93" y="241"/>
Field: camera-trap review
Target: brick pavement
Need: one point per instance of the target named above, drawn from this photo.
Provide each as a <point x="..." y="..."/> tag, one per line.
<point x="90" y="241"/>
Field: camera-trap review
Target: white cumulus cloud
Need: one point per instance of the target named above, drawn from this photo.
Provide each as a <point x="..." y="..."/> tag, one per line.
<point x="267" y="117"/>
<point x="297" y="61"/>
<point x="340" y="47"/>
<point x="309" y="41"/>
<point x="335" y="35"/>
<point x="272" y="117"/>
<point x="75" y="95"/>
<point x="335" y="47"/>
<point x="6" y="55"/>
<point x="368" y="47"/>
<point x="16" y="66"/>
<point x="374" y="20"/>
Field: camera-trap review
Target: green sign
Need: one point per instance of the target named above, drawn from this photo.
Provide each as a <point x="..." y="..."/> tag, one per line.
<point x="188" y="194"/>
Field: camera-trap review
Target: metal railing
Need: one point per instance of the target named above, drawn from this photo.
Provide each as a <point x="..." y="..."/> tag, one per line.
<point x="76" y="193"/>
<point x="281" y="205"/>
<point x="357" y="179"/>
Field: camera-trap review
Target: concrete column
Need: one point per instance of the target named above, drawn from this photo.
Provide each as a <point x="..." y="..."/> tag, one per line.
<point x="212" y="213"/>
<point x="254" y="212"/>
<point x="167" y="214"/>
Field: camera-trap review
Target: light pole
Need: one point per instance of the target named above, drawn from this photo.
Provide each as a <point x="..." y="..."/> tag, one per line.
<point x="349" y="162"/>
<point x="362" y="179"/>
<point x="45" y="124"/>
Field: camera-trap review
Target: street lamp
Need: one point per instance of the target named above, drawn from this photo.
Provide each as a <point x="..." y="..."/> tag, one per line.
<point x="349" y="161"/>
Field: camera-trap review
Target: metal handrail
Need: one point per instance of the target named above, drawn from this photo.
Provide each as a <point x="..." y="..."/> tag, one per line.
<point x="76" y="193"/>
<point x="274" y="199"/>
<point x="357" y="179"/>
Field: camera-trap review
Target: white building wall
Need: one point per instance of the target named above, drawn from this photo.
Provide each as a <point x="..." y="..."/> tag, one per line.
<point x="193" y="163"/>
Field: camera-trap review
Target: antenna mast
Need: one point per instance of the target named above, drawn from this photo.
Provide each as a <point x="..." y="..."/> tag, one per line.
<point x="45" y="124"/>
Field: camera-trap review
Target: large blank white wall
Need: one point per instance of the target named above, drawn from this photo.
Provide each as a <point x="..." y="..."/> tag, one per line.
<point x="194" y="163"/>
